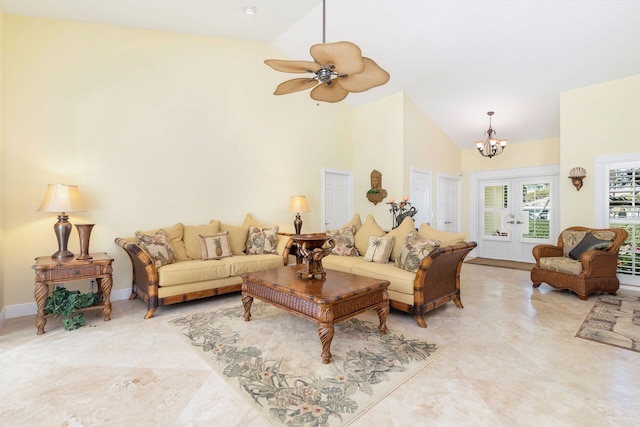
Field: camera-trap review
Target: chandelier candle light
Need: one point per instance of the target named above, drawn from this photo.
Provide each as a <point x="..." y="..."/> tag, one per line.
<point x="298" y="204"/>
<point x="64" y="199"/>
<point x="492" y="146"/>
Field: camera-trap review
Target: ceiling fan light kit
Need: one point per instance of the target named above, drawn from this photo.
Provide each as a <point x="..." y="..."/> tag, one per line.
<point x="338" y="69"/>
<point x="492" y="146"/>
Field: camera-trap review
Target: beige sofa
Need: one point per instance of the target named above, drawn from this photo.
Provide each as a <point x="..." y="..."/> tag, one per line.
<point x="188" y="276"/>
<point x="436" y="280"/>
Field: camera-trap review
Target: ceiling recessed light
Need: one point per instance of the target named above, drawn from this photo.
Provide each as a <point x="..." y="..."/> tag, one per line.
<point x="249" y="10"/>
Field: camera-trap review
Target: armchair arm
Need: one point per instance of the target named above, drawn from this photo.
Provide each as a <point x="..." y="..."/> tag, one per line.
<point x="544" y="251"/>
<point x="599" y="263"/>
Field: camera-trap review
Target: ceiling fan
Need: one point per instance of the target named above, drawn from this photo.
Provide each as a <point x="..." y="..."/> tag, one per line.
<point x="338" y="69"/>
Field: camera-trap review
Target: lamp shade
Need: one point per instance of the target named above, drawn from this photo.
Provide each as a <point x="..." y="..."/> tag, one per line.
<point x="62" y="198"/>
<point x="298" y="204"/>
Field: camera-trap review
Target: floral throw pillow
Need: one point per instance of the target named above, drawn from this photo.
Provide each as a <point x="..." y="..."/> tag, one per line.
<point x="215" y="246"/>
<point x="262" y="240"/>
<point x="413" y="251"/>
<point x="157" y="246"/>
<point x="379" y="249"/>
<point x="345" y="241"/>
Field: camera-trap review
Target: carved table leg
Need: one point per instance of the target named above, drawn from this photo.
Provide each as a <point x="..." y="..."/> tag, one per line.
<point x="41" y="292"/>
<point x="326" y="332"/>
<point x="246" y="302"/>
<point x="383" y="312"/>
<point x="105" y="284"/>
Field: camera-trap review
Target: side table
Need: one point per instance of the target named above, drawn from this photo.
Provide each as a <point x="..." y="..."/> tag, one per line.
<point x="51" y="271"/>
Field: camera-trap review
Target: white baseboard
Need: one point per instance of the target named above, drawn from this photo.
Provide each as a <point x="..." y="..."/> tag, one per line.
<point x="31" y="309"/>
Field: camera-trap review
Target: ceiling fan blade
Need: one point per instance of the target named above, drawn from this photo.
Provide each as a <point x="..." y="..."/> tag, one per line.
<point x="346" y="56"/>
<point x="295" y="85"/>
<point x="371" y="77"/>
<point x="292" y="66"/>
<point x="332" y="93"/>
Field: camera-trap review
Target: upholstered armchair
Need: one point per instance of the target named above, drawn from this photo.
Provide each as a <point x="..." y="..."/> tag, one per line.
<point x="584" y="261"/>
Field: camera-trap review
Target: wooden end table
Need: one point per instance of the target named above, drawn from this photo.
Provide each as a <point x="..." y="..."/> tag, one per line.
<point x="51" y="271"/>
<point x="338" y="297"/>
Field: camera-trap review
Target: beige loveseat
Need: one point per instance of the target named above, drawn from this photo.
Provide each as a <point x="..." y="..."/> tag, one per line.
<point x="436" y="279"/>
<point x="180" y="269"/>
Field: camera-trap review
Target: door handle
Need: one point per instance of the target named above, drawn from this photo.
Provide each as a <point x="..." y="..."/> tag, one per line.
<point x="519" y="222"/>
<point x="447" y="222"/>
<point x="510" y="222"/>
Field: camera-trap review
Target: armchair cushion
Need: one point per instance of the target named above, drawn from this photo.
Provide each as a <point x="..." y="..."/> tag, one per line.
<point x="561" y="264"/>
<point x="570" y="239"/>
<point x="589" y="242"/>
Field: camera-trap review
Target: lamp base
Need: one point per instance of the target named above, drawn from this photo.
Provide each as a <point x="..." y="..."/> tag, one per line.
<point x="62" y="228"/>
<point x="62" y="254"/>
<point x="297" y="223"/>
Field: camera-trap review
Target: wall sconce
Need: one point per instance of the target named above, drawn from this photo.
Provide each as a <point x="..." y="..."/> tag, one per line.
<point x="576" y="175"/>
<point x="63" y="199"/>
<point x="298" y="204"/>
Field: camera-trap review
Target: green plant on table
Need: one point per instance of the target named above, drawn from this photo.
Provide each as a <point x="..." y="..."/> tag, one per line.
<point x="64" y="303"/>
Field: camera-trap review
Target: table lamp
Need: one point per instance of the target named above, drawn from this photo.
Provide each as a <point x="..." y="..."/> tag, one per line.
<point x="62" y="198"/>
<point x="298" y="204"/>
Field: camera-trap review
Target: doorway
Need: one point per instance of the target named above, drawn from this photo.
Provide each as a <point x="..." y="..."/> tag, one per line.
<point x="515" y="212"/>
<point x="337" y="198"/>
<point x="449" y="202"/>
<point x="420" y="195"/>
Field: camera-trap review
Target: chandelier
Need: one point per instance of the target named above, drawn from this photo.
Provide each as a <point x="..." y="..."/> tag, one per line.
<point x="492" y="146"/>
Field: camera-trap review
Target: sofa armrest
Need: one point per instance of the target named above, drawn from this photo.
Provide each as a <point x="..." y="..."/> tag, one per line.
<point x="144" y="281"/>
<point x="544" y="251"/>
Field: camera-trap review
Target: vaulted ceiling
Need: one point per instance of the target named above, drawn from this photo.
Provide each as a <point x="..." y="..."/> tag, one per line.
<point x="456" y="59"/>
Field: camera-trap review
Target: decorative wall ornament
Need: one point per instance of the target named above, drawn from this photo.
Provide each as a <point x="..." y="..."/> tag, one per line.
<point x="376" y="194"/>
<point x="576" y="175"/>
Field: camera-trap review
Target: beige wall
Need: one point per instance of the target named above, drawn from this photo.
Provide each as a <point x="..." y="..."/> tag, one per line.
<point x="598" y="120"/>
<point x="378" y="144"/>
<point x="427" y="147"/>
<point x="2" y="168"/>
<point x="155" y="128"/>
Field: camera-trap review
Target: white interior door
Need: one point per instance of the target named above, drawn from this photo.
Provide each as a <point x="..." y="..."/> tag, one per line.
<point x="420" y="195"/>
<point x="337" y="194"/>
<point x="515" y="215"/>
<point x="449" y="201"/>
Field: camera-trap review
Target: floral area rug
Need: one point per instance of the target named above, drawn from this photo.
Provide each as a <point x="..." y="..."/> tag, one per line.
<point x="274" y="361"/>
<point x="614" y="320"/>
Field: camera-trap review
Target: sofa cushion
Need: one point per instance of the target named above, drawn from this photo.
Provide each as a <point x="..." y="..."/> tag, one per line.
<point x="215" y="246"/>
<point x="589" y="242"/>
<point x="561" y="264"/>
<point x="446" y="238"/>
<point x="262" y="240"/>
<point x="192" y="271"/>
<point x="570" y="239"/>
<point x="249" y="263"/>
<point x="354" y="221"/>
<point x="407" y="227"/>
<point x="341" y="263"/>
<point x="413" y="251"/>
<point x="175" y="233"/>
<point x="344" y="239"/>
<point x="250" y="220"/>
<point x="157" y="246"/>
<point x="237" y="237"/>
<point x="369" y="228"/>
<point x="379" y="249"/>
<point x="192" y="237"/>
<point x="400" y="280"/>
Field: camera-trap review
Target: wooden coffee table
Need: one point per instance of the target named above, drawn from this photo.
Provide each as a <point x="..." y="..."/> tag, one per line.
<point x="337" y="297"/>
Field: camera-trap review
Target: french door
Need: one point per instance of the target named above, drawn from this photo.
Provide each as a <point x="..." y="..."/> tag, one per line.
<point x="516" y="214"/>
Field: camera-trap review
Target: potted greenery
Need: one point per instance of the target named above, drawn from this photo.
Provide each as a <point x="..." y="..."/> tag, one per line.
<point x="64" y="303"/>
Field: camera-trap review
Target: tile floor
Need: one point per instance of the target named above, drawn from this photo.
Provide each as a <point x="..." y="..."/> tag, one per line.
<point x="512" y="360"/>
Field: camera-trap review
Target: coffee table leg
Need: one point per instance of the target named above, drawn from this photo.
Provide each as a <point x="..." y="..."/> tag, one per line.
<point x="383" y="312"/>
<point x="326" y="332"/>
<point x="246" y="302"/>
